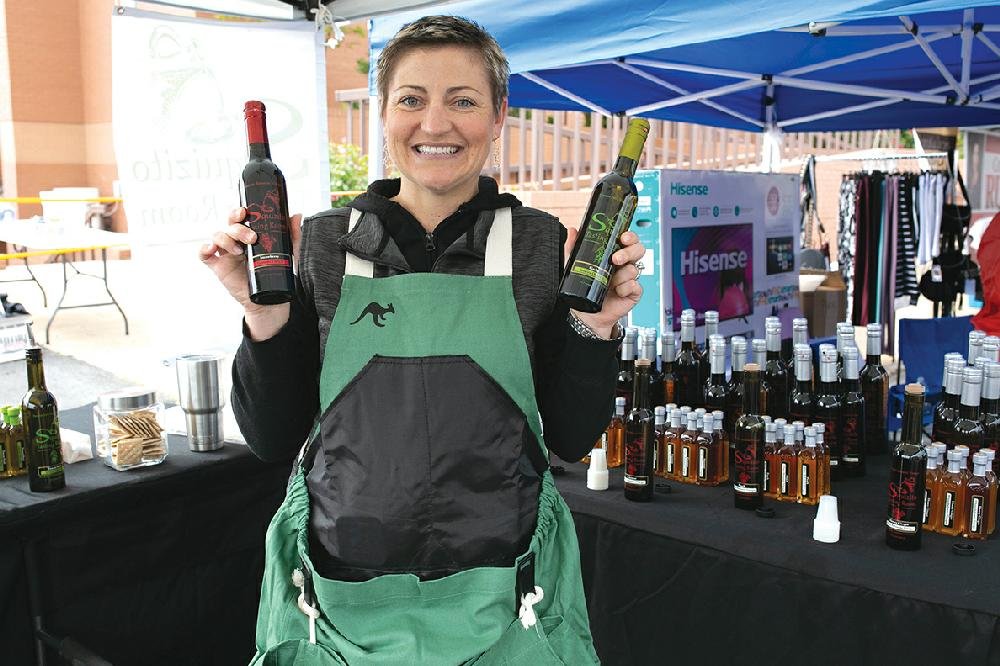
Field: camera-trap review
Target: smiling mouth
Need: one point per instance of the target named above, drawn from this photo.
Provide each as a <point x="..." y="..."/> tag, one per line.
<point x="436" y="150"/>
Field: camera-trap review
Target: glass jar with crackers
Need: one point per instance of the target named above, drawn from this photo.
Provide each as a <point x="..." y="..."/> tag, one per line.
<point x="127" y="428"/>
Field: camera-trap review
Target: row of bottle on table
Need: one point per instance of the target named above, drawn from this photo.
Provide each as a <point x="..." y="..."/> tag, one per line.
<point x="29" y="435"/>
<point x="959" y="500"/>
<point x="969" y="411"/>
<point x="849" y="400"/>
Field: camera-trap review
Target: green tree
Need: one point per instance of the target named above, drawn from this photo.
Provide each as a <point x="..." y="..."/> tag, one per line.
<point x="348" y="171"/>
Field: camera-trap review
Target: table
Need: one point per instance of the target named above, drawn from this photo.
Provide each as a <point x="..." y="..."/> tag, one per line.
<point x="689" y="578"/>
<point x="62" y="240"/>
<point x="160" y="565"/>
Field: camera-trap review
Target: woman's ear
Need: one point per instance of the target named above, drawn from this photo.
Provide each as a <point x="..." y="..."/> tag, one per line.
<point x="499" y="120"/>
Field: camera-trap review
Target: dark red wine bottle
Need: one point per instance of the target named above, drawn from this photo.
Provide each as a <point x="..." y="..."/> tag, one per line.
<point x="687" y="368"/>
<point x="903" y="525"/>
<point x="801" y="404"/>
<point x="875" y="388"/>
<point x="625" y="385"/>
<point x="776" y="380"/>
<point x="828" y="408"/>
<point x="647" y="350"/>
<point x="734" y="391"/>
<point x="263" y="194"/>
<point x="640" y="440"/>
<point x="946" y="411"/>
<point x="748" y="481"/>
<point x="853" y="409"/>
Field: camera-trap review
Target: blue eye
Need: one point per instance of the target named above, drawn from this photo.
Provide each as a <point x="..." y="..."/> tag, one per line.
<point x="409" y="101"/>
<point x="465" y="103"/>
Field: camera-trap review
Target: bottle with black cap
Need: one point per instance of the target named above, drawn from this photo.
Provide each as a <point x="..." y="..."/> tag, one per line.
<point x="640" y="442"/>
<point x="748" y="478"/>
<point x="907" y="475"/>
<point x="828" y="409"/>
<point x="853" y="409"/>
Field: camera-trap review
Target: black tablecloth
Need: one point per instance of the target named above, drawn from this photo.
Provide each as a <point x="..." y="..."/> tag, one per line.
<point x="688" y="578"/>
<point x="160" y="565"/>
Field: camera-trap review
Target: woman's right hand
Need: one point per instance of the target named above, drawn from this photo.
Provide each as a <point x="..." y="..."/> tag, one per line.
<point x="225" y="255"/>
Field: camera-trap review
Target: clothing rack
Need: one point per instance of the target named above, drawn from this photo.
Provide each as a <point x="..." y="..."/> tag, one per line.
<point x="880" y="158"/>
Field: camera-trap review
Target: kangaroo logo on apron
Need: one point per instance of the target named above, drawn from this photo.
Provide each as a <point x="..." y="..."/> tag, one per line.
<point x="377" y="312"/>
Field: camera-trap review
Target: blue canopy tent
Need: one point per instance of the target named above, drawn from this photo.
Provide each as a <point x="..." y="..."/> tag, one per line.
<point x="746" y="64"/>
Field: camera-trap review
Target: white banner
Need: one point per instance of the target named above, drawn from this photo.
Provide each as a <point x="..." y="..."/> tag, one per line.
<point x="179" y="86"/>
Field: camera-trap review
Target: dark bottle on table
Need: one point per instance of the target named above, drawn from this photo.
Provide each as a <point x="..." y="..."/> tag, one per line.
<point x="263" y="193"/>
<point x="41" y="421"/>
<point x="977" y="501"/>
<point x="669" y="351"/>
<point x="640" y="440"/>
<point x="748" y="477"/>
<point x="946" y="411"/>
<point x="800" y="407"/>
<point x="854" y="412"/>
<point x="687" y="368"/>
<point x="776" y="380"/>
<point x="989" y="408"/>
<point x="734" y="390"/>
<point x="609" y="214"/>
<point x="711" y="328"/>
<point x="829" y="409"/>
<point x="976" y="339"/>
<point x="648" y="351"/>
<point x="800" y="336"/>
<point x="875" y="389"/>
<point x="17" y="450"/>
<point x="625" y="386"/>
<point x="903" y="525"/>
<point x="845" y="339"/>
<point x="967" y="430"/>
<point x="716" y="389"/>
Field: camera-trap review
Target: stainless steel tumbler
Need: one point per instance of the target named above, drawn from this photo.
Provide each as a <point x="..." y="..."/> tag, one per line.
<point x="202" y="399"/>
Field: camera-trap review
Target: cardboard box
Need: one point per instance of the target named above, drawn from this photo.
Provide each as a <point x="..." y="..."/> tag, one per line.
<point x="826" y="306"/>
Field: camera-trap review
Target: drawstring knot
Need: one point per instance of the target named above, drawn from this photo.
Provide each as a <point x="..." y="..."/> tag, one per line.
<point x="527" y="611"/>
<point x="299" y="581"/>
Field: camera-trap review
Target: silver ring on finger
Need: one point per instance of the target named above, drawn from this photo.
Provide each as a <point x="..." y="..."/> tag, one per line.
<point x="639" y="266"/>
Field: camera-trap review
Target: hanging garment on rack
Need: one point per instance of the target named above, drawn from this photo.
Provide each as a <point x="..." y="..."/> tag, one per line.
<point x="847" y="237"/>
<point x="906" y="249"/>
<point x="931" y="188"/>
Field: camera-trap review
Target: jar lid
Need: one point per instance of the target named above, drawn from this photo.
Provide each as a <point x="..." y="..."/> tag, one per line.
<point x="127" y="399"/>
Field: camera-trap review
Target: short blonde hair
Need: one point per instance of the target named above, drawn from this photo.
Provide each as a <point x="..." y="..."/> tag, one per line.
<point x="431" y="31"/>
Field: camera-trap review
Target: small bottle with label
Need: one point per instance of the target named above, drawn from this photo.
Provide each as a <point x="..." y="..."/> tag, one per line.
<point x="823" y="454"/>
<point x="671" y="445"/>
<point x="722" y="449"/>
<point x="977" y="501"/>
<point x="689" y="450"/>
<point x="659" y="427"/>
<point x="932" y="490"/>
<point x="770" y="460"/>
<point x="808" y="462"/>
<point x="800" y="434"/>
<point x="705" y="474"/>
<point x="964" y="467"/>
<point x="853" y="416"/>
<point x="779" y="431"/>
<point x="991" y="477"/>
<point x="669" y="355"/>
<point x="788" y="470"/>
<point x="616" y="436"/>
<point x="952" y="496"/>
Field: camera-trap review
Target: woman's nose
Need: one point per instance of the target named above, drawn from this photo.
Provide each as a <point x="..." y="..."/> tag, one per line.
<point x="435" y="120"/>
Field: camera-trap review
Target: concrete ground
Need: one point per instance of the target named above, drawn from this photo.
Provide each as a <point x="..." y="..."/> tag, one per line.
<point x="174" y="306"/>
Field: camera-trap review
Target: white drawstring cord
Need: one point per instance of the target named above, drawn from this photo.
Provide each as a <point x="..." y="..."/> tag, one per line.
<point x="299" y="581"/>
<point x="527" y="612"/>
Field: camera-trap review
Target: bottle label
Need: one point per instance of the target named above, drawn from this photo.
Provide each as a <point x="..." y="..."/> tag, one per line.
<point x="834" y="443"/>
<point x="976" y="514"/>
<point x="785" y="478"/>
<point x="3" y="460"/>
<point x="703" y="463"/>
<point x="927" y="506"/>
<point x="636" y="473"/>
<point x="685" y="461"/>
<point x="600" y="240"/>
<point x="670" y="458"/>
<point x="804" y="484"/>
<point x="948" y="520"/>
<point x="267" y="215"/>
<point x="905" y="504"/>
<point x="748" y="469"/>
<point x="21" y="460"/>
<point x="767" y="475"/>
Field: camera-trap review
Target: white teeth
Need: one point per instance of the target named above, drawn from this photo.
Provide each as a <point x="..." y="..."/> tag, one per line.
<point x="437" y="150"/>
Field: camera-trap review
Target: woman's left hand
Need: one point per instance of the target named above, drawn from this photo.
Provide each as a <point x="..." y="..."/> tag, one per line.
<point x="623" y="290"/>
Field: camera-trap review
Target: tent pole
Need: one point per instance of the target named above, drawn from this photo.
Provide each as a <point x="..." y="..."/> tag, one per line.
<point x="967" y="19"/>
<point x="695" y="97"/>
<point x="932" y="56"/>
<point x="376" y="142"/>
<point x="989" y="43"/>
<point x="564" y="93"/>
<point x="772" y="135"/>
<point x="863" y="55"/>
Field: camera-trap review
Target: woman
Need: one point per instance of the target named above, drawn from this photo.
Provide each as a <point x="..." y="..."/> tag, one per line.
<point x="427" y="336"/>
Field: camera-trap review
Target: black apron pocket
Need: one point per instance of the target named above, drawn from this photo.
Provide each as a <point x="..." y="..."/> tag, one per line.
<point x="421" y="465"/>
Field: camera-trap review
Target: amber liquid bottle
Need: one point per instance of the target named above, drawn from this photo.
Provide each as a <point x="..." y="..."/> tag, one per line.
<point x="647" y="350"/>
<point x="6" y="455"/>
<point x="687" y="368"/>
<point x="41" y="418"/>
<point x="640" y="441"/>
<point x="716" y="389"/>
<point x="776" y="379"/>
<point x="672" y="445"/>
<point x="953" y="496"/>
<point x="669" y="350"/>
<point x="991" y="477"/>
<point x="722" y="449"/>
<point x="734" y="391"/>
<point x="689" y="450"/>
<point x="788" y="472"/>
<point x="829" y="410"/>
<point x="854" y="410"/>
<point x="946" y="411"/>
<point x="262" y="192"/>
<point x="875" y="389"/>
<point x="16" y="450"/>
<point x="616" y="436"/>
<point x="932" y="493"/>
<point x="977" y="501"/>
<point x="601" y="443"/>
<point x="907" y="475"/>
<point x="967" y="430"/>
<point x="771" y="445"/>
<point x="989" y="412"/>
<point x="711" y="329"/>
<point x="626" y="368"/>
<point x="801" y="403"/>
<point x="748" y="480"/>
<point x="659" y="427"/>
<point x="809" y="463"/>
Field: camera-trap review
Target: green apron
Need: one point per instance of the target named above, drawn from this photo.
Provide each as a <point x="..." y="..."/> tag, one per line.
<point x="531" y="613"/>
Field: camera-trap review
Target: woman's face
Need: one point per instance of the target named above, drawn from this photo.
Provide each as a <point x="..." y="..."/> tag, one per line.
<point x="439" y="119"/>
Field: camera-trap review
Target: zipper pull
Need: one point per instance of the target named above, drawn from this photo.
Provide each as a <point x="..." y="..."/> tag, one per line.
<point x="429" y="243"/>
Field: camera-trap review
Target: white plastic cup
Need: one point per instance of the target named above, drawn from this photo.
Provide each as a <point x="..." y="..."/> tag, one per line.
<point x="826" y="526"/>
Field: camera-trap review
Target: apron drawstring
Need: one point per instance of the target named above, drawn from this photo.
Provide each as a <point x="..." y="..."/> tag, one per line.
<point x="527" y="612"/>
<point x="299" y="581"/>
